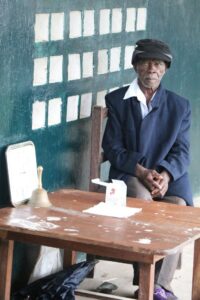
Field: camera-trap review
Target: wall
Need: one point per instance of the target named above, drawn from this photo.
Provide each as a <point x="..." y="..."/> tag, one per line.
<point x="177" y="22"/>
<point x="58" y="58"/>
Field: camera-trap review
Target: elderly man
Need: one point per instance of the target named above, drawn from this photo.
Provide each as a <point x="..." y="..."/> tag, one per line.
<point x="146" y="141"/>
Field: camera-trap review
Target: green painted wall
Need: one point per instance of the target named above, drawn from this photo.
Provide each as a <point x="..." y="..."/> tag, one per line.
<point x="63" y="150"/>
<point x="178" y="23"/>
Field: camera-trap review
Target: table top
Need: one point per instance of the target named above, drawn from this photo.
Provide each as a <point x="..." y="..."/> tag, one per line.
<point x="159" y="229"/>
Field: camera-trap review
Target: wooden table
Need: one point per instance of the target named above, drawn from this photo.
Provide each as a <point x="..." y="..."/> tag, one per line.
<point x="158" y="230"/>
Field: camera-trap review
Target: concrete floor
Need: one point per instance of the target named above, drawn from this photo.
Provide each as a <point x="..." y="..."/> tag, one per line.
<point x="121" y="275"/>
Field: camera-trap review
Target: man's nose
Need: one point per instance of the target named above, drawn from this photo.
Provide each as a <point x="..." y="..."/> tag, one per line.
<point x="151" y="65"/>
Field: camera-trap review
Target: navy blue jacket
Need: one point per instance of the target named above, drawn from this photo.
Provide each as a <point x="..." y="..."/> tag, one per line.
<point x="159" y="141"/>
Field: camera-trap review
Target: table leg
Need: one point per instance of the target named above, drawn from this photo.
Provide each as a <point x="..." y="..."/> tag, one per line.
<point x="196" y="271"/>
<point x="146" y="280"/>
<point x="6" y="259"/>
<point x="69" y="258"/>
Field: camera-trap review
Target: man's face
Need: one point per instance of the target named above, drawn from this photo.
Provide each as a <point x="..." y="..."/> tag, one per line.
<point x="150" y="72"/>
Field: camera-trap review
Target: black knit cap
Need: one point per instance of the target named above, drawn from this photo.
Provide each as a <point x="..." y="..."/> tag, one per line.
<point x="151" y="48"/>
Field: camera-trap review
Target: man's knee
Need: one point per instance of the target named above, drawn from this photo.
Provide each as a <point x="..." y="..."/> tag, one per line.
<point x="174" y="200"/>
<point x="136" y="189"/>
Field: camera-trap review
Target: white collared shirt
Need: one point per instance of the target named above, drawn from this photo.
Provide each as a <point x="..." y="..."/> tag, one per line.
<point x="135" y="91"/>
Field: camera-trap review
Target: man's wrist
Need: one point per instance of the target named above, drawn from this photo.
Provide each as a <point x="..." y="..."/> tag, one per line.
<point x="167" y="175"/>
<point x="139" y="171"/>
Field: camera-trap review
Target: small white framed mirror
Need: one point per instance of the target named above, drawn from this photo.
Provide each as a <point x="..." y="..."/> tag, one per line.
<point x="22" y="171"/>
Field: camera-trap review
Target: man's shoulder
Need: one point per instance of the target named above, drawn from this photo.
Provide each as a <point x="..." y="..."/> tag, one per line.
<point x="178" y="98"/>
<point x="117" y="94"/>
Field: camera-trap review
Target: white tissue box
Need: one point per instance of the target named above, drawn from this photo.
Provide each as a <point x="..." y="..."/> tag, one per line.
<point x="116" y="191"/>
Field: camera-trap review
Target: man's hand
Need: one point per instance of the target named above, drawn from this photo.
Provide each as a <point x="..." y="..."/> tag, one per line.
<point x="151" y="179"/>
<point x="164" y="183"/>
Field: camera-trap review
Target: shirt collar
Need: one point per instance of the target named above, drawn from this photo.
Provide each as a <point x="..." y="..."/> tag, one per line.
<point x="135" y="91"/>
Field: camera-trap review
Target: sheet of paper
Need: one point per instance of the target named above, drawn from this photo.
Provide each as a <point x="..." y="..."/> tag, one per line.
<point x="106" y="209"/>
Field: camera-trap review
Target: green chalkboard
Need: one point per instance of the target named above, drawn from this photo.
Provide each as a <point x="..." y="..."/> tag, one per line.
<point x="61" y="58"/>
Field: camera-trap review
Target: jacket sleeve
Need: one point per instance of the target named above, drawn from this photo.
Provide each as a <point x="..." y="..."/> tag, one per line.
<point x="114" y="146"/>
<point x="178" y="159"/>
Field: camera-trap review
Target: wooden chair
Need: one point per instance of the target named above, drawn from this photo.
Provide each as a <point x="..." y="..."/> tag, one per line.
<point x="97" y="157"/>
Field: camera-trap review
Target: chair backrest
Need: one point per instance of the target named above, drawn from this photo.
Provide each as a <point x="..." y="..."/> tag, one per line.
<point x="99" y="114"/>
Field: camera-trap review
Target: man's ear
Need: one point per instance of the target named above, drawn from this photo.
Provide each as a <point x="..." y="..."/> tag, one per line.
<point x="166" y="67"/>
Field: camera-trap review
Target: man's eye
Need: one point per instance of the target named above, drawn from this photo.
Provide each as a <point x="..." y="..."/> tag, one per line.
<point x="159" y="63"/>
